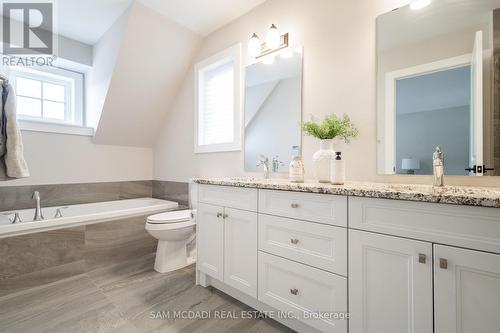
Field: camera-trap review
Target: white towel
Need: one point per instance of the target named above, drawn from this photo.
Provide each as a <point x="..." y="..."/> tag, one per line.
<point x="14" y="162"/>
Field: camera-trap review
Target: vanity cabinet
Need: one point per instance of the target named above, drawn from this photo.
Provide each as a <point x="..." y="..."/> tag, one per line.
<point x="395" y="282"/>
<point x="404" y="266"/>
<point x="390" y="284"/>
<point x="227" y="238"/>
<point x="466" y="290"/>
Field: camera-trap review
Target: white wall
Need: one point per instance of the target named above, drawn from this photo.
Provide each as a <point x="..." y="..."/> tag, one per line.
<point x="154" y="57"/>
<point x="59" y="159"/>
<point x="105" y="53"/>
<point x="418" y="133"/>
<point x="339" y="76"/>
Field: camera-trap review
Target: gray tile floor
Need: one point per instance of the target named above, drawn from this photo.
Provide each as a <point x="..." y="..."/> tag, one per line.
<point x="124" y="298"/>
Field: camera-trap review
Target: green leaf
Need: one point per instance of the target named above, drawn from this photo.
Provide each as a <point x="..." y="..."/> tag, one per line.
<point x="331" y="127"/>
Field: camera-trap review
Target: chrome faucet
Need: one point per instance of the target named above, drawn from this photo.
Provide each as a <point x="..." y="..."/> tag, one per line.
<point x="38" y="209"/>
<point x="438" y="167"/>
<point x="277" y="163"/>
<point x="264" y="162"/>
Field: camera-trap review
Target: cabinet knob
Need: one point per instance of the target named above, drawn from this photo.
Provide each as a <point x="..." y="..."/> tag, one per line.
<point x="219" y="215"/>
<point x="225" y="216"/>
<point x="422" y="258"/>
<point x="443" y="263"/>
<point x="294" y="241"/>
<point x="295" y="205"/>
<point x="294" y="291"/>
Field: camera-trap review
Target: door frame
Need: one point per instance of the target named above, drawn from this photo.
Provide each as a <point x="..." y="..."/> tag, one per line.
<point x="389" y="163"/>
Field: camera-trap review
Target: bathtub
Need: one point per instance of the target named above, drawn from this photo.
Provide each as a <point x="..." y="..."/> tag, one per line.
<point x="76" y="215"/>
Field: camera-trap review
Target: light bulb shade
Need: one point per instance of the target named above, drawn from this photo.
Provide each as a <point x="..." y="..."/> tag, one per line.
<point x="419" y="4"/>
<point x="273" y="37"/>
<point x="254" y="46"/>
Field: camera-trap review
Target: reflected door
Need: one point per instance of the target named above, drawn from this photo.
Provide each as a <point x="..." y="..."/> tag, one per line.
<point x="476" y="123"/>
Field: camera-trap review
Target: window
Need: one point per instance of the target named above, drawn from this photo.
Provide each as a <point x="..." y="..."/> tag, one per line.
<point x="218" y="108"/>
<point x="48" y="98"/>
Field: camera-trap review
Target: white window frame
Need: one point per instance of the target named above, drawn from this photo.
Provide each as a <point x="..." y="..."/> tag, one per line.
<point x="74" y="104"/>
<point x="234" y="54"/>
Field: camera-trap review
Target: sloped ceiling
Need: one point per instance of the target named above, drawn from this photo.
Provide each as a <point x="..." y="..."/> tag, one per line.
<point x="153" y="59"/>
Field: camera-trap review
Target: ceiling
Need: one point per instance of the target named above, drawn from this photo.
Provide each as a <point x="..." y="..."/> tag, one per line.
<point x="202" y="16"/>
<point x="86" y="21"/>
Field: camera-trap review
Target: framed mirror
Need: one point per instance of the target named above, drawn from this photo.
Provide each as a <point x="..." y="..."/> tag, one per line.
<point x="273" y="110"/>
<point x="438" y="85"/>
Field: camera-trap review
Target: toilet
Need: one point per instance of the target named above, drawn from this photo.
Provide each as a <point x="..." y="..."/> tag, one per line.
<point x="174" y="231"/>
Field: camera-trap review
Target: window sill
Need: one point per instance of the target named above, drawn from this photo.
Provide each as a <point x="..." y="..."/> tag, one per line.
<point x="36" y="126"/>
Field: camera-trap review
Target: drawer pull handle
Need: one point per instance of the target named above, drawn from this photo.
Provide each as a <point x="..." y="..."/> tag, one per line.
<point x="443" y="263"/>
<point x="219" y="215"/>
<point x="422" y="258"/>
<point x="225" y="216"/>
<point x="295" y="205"/>
<point x="294" y="291"/>
<point x="294" y="241"/>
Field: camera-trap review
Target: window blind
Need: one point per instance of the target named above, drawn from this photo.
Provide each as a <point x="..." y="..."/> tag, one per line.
<point x="216" y="104"/>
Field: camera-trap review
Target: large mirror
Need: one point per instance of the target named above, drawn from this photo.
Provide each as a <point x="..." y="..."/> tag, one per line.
<point x="438" y="85"/>
<point x="273" y="110"/>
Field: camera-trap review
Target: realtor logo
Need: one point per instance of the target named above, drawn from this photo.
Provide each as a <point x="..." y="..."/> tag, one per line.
<point x="28" y="28"/>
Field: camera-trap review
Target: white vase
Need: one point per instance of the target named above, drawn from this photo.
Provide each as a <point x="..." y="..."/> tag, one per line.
<point x="322" y="161"/>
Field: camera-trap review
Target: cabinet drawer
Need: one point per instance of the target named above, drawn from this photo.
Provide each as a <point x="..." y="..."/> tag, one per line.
<point x="329" y="209"/>
<point x="318" y="245"/>
<point x="232" y="197"/>
<point x="471" y="227"/>
<point x="304" y="291"/>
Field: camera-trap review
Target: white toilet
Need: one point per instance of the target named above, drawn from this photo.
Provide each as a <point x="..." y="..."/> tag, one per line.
<point x="174" y="230"/>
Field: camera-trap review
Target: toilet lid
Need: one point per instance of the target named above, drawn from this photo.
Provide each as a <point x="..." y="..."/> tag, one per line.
<point x="171" y="217"/>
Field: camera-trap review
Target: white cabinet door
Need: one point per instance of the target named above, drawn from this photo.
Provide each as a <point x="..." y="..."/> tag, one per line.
<point x="210" y="240"/>
<point x="390" y="284"/>
<point x="240" y="250"/>
<point x="466" y="290"/>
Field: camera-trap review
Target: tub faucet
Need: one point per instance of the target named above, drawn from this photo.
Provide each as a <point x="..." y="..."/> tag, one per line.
<point x="438" y="167"/>
<point x="38" y="209"/>
<point x="264" y="161"/>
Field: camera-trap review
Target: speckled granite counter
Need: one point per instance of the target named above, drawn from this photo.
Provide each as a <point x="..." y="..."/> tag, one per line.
<point x="456" y="195"/>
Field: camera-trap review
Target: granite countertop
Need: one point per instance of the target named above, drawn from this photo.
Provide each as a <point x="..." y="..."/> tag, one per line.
<point x="456" y="195"/>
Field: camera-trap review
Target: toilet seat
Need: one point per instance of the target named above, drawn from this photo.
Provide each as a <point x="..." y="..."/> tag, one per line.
<point x="177" y="216"/>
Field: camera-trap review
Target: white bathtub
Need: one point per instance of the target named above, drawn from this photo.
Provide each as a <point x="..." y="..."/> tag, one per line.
<point x="76" y="215"/>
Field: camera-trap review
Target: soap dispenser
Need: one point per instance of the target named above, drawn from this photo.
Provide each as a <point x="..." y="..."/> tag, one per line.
<point x="338" y="170"/>
<point x="296" y="173"/>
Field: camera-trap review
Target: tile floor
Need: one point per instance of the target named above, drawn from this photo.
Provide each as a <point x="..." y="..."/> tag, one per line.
<point x="123" y="298"/>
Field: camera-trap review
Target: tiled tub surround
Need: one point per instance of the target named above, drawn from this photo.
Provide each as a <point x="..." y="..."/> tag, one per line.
<point x="36" y="259"/>
<point x="45" y="257"/>
<point x="19" y="197"/>
<point x="456" y="195"/>
<point x="171" y="191"/>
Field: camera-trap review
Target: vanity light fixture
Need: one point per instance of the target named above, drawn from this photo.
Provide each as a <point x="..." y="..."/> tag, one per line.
<point x="274" y="42"/>
<point x="273" y="37"/>
<point x="254" y="46"/>
<point x="419" y="4"/>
